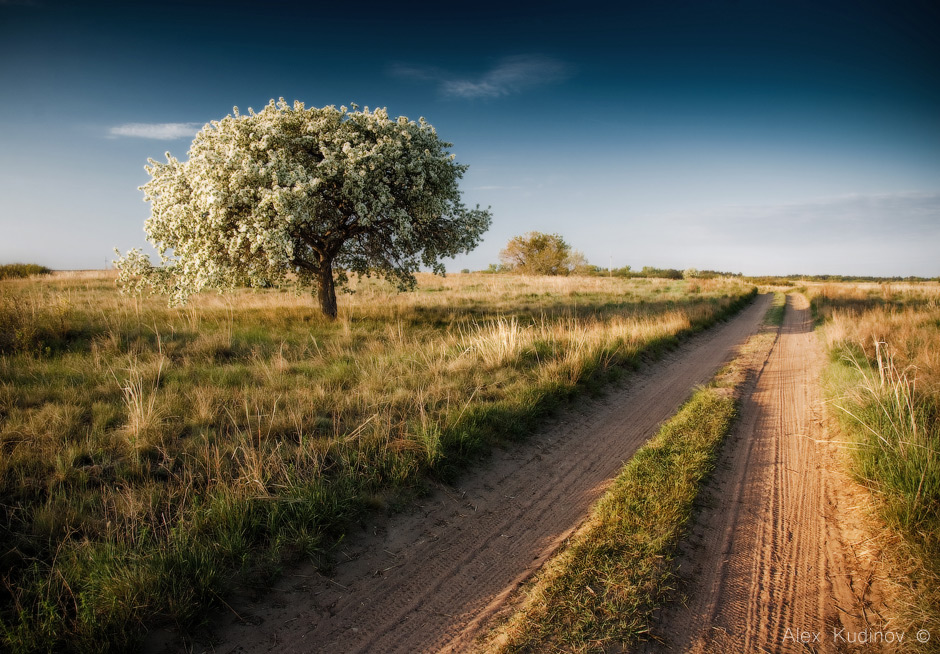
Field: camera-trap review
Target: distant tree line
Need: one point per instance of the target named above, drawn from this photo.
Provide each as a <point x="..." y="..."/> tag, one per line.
<point x="790" y="280"/>
<point x="626" y="272"/>
<point x="537" y="253"/>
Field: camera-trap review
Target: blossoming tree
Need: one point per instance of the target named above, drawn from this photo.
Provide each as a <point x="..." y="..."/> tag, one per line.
<point x="306" y="193"/>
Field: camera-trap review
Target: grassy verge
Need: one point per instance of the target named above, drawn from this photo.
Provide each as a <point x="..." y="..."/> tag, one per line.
<point x="602" y="590"/>
<point x="153" y="457"/>
<point x="883" y="383"/>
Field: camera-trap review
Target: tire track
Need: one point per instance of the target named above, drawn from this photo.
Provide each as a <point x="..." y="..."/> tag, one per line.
<point x="767" y="568"/>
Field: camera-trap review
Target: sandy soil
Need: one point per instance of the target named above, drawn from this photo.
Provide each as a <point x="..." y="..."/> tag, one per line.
<point x="429" y="579"/>
<point x="777" y="560"/>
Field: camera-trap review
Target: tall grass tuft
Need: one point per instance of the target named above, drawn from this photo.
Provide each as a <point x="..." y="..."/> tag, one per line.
<point x="496" y="342"/>
<point x="139" y="389"/>
<point x="898" y="451"/>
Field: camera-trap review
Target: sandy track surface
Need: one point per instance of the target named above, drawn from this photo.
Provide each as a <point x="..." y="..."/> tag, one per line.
<point x="427" y="580"/>
<point x="776" y="562"/>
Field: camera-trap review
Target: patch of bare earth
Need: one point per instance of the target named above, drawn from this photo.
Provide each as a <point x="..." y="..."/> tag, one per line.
<point x="779" y="559"/>
<point x="429" y="579"/>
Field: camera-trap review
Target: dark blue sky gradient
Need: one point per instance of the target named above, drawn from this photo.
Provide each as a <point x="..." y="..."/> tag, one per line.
<point x="628" y="130"/>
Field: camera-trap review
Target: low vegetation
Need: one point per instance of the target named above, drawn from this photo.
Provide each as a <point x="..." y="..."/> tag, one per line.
<point x="154" y="456"/>
<point x="791" y="280"/>
<point x="601" y="591"/>
<point x="21" y="270"/>
<point x="884" y="383"/>
<point x="579" y="266"/>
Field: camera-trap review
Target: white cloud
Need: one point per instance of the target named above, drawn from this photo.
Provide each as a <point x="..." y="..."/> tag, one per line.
<point x="158" y="131"/>
<point x="510" y="75"/>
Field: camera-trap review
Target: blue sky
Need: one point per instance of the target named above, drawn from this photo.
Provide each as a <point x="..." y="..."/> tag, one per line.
<point x="759" y="137"/>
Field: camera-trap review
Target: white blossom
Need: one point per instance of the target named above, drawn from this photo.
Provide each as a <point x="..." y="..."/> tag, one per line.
<point x="304" y="192"/>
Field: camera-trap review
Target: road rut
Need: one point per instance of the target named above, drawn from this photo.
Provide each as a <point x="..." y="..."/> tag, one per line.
<point x="773" y="562"/>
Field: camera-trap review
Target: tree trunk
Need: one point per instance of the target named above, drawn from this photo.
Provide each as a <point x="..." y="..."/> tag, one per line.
<point x="327" y="290"/>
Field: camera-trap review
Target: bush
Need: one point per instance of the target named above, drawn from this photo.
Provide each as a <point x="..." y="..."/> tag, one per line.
<point x="21" y="270"/>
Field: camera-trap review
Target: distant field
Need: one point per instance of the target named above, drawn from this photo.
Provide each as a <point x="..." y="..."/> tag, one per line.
<point x="149" y="452"/>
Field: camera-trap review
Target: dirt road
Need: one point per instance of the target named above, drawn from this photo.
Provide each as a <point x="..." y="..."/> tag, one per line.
<point x="777" y="561"/>
<point x="426" y="581"/>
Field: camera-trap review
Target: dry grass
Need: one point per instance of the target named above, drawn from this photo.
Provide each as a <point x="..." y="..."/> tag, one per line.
<point x="148" y="453"/>
<point x="884" y="384"/>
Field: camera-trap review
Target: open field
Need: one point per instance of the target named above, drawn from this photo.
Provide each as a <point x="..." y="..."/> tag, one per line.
<point x="150" y="452"/>
<point x="432" y="579"/>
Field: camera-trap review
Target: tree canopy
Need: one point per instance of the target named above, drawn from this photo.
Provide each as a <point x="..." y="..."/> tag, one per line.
<point x="312" y="194"/>
<point x="541" y="254"/>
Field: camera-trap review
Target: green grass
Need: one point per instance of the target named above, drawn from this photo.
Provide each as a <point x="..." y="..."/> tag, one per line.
<point x="601" y="591"/>
<point x="777" y="308"/>
<point x="153" y="458"/>
<point x="897" y="437"/>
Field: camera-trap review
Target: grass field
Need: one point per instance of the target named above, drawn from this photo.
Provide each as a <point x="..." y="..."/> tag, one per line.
<point x="884" y="385"/>
<point x="149" y="453"/>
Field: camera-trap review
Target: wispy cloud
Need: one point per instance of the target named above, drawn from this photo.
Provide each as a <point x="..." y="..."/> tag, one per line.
<point x="158" y="131"/>
<point x="509" y="76"/>
<point x="886" y="216"/>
